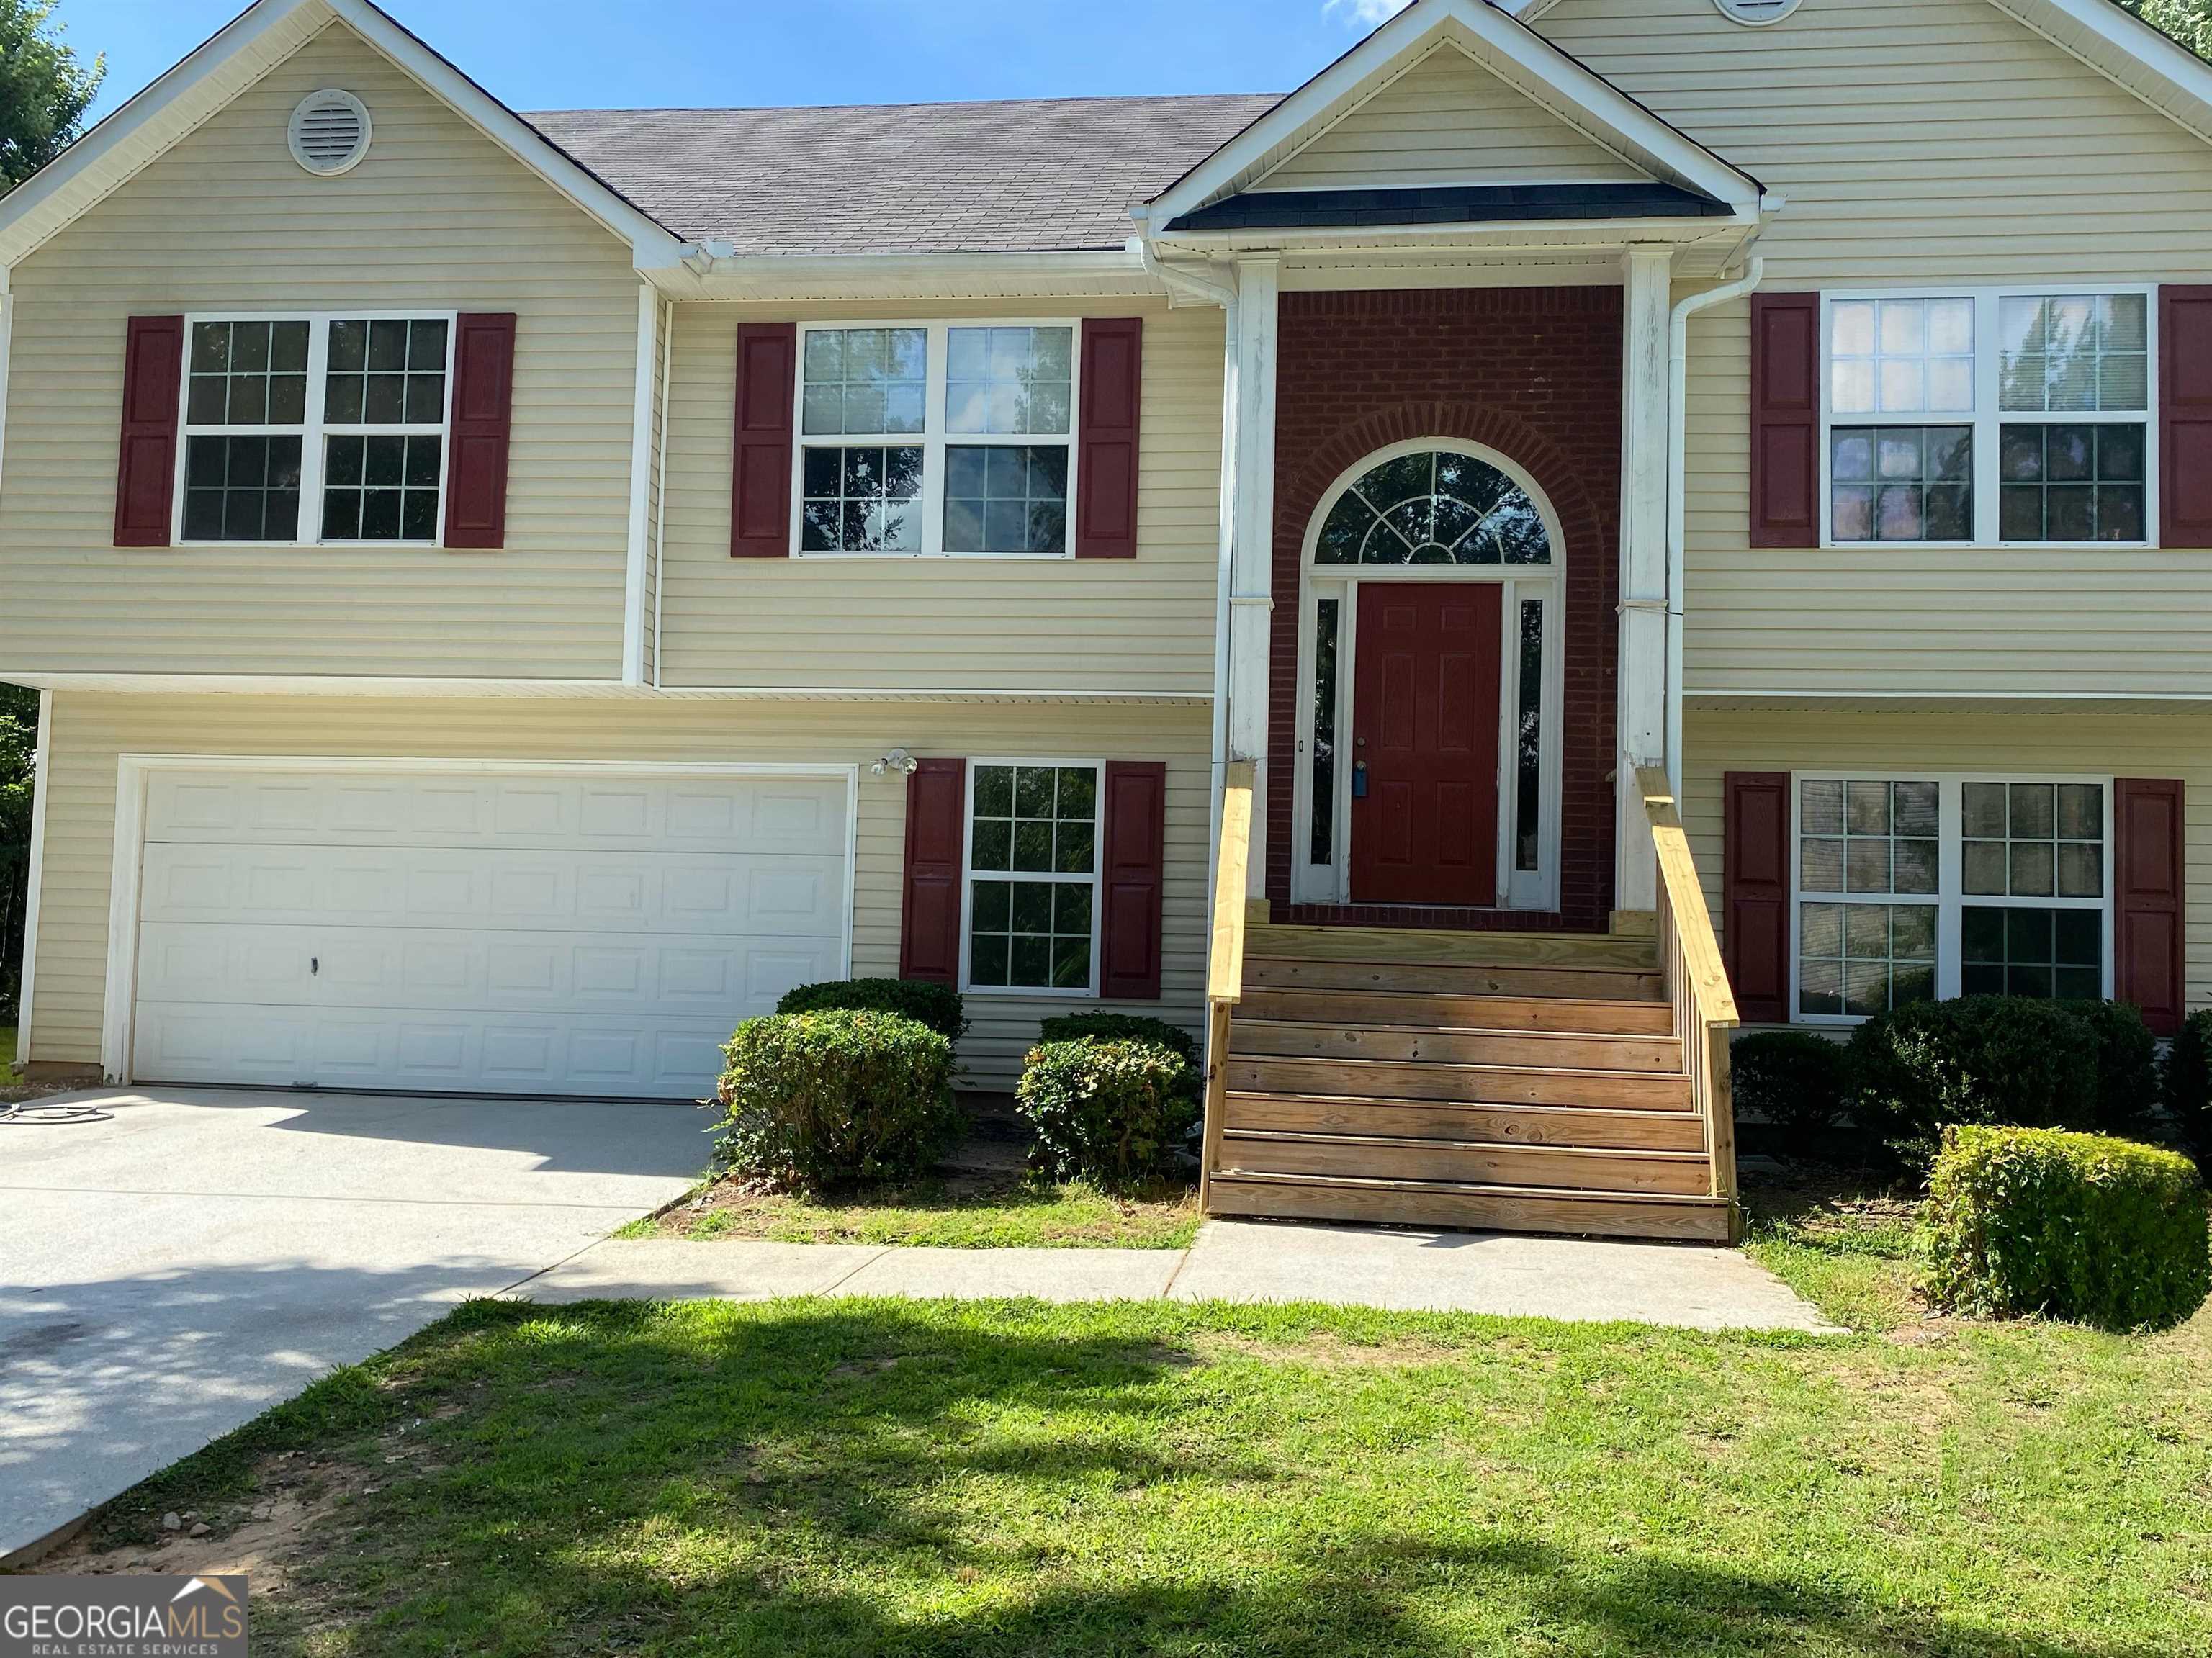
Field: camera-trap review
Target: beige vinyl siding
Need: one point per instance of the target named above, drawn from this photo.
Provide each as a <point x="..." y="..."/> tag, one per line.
<point x="91" y="731"/>
<point x="1919" y="143"/>
<point x="1447" y="120"/>
<point x="2159" y="741"/>
<point x="1916" y="140"/>
<point x="435" y="217"/>
<point x="1142" y="625"/>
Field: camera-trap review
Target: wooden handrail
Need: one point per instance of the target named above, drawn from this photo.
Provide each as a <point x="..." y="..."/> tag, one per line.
<point x="1696" y="978"/>
<point x="1225" y="970"/>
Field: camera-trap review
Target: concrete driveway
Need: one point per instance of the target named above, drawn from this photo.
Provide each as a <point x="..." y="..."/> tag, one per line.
<point x="169" y="1273"/>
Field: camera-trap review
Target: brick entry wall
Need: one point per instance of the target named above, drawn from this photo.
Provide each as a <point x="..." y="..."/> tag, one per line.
<point x="1532" y="372"/>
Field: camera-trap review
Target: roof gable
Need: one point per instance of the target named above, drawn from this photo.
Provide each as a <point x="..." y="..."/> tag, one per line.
<point x="1522" y="61"/>
<point x="238" y="56"/>
<point x="1446" y="119"/>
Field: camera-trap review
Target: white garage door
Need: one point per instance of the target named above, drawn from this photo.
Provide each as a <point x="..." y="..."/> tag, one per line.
<point x="491" y="931"/>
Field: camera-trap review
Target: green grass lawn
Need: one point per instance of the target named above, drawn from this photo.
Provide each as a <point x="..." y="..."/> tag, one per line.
<point x="846" y="1478"/>
<point x="967" y="1210"/>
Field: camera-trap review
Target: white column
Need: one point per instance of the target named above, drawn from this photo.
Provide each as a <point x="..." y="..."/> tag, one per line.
<point x="1252" y="552"/>
<point x="1646" y="278"/>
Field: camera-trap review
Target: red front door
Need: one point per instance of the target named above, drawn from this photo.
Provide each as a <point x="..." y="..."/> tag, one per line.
<point x="1424" y="722"/>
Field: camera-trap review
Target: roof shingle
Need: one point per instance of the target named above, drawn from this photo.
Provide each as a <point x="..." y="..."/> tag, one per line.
<point x="1049" y="175"/>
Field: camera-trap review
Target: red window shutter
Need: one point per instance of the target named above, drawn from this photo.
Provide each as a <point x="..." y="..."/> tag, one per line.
<point x="1106" y="438"/>
<point x="146" y="461"/>
<point x="1132" y="877"/>
<point x="483" y="413"/>
<point x="929" y="916"/>
<point x="1755" y="894"/>
<point x="2148" y="866"/>
<point x="2184" y="416"/>
<point x="760" y="468"/>
<point x="1785" y="420"/>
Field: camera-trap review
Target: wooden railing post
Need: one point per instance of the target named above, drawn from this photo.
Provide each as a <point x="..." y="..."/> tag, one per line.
<point x="1697" y="984"/>
<point x="1224" y="970"/>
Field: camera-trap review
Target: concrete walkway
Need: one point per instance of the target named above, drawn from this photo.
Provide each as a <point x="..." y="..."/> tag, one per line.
<point x="1691" y="1286"/>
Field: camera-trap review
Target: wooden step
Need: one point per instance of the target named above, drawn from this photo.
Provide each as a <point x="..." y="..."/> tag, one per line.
<point x="1611" y="984"/>
<point x="1457" y="1085"/>
<point x="1479" y="1207"/>
<point x="1579" y="1015"/>
<point x="1577" y="1169"/>
<point x="1444" y="946"/>
<point x="1556" y="1050"/>
<point x="1511" y="1125"/>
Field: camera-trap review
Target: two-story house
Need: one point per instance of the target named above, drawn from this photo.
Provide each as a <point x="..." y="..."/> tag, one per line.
<point x="513" y="593"/>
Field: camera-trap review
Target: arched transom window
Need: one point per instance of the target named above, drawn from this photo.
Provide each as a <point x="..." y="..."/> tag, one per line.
<point x="1434" y="506"/>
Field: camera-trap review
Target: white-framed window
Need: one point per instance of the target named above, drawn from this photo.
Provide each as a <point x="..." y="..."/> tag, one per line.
<point x="1031" y="900"/>
<point x="1909" y="885"/>
<point x="1984" y="416"/>
<point x="936" y="439"/>
<point x="320" y="429"/>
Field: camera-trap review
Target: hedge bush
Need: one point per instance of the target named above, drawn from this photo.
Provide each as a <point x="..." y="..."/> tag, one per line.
<point x="936" y="1005"/>
<point x="1109" y="1112"/>
<point x="2186" y="1087"/>
<point x="817" y="1100"/>
<point x="2022" y="1221"/>
<point x="2127" y="1064"/>
<point x="1121" y="1027"/>
<point x="1799" y="1082"/>
<point x="1975" y="1060"/>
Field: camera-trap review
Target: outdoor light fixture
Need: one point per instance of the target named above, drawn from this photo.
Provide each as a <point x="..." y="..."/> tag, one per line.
<point x="899" y="761"/>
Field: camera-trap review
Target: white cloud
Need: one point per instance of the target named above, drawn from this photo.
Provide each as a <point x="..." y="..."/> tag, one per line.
<point x="1365" y="13"/>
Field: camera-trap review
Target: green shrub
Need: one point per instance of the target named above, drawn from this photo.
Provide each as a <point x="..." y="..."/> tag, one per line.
<point x="935" y="1005"/>
<point x="2022" y="1221"/>
<point x="2127" y="1064"/>
<point x="1121" y="1027"/>
<point x="817" y="1100"/>
<point x="1976" y="1059"/>
<point x="1798" y="1081"/>
<point x="2186" y="1087"/>
<point x="1112" y="1112"/>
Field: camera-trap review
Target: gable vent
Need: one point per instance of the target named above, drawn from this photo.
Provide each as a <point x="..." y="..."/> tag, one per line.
<point x="1755" y="12"/>
<point x="329" y="133"/>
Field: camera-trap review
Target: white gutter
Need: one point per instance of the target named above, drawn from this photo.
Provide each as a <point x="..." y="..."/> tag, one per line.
<point x="640" y="481"/>
<point x="1207" y="290"/>
<point x="660" y="487"/>
<point x="1678" y="423"/>
<point x="41" y="760"/>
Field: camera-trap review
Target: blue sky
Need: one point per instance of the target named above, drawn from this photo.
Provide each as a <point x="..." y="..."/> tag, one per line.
<point x="553" y="54"/>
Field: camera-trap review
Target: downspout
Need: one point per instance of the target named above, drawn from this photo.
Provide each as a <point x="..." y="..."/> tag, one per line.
<point x="1678" y="423"/>
<point x="1207" y="290"/>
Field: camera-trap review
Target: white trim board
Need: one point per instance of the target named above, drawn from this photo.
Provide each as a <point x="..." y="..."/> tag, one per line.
<point x="133" y="770"/>
<point x="41" y="762"/>
<point x="1521" y="58"/>
<point x="239" y="54"/>
<point x="187" y="684"/>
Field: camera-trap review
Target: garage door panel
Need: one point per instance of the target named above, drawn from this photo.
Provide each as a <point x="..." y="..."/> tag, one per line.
<point x="554" y="890"/>
<point x="516" y="811"/>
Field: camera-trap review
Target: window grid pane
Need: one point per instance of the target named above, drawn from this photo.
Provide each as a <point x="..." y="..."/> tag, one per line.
<point x="1864" y="837"/>
<point x="2032" y="841"/>
<point x="1901" y="356"/>
<point x="1011" y="381"/>
<point x="1032" y="860"/>
<point x="386" y="371"/>
<point x="242" y="488"/>
<point x="2074" y="353"/>
<point x="1006" y="498"/>
<point x="861" y="500"/>
<point x="1322" y="848"/>
<point x="864" y="382"/>
<point x="2072" y="483"/>
<point x="1865" y="959"/>
<point x="1901" y="482"/>
<point x="248" y="373"/>
<point x="381" y="486"/>
<point x="2018" y="951"/>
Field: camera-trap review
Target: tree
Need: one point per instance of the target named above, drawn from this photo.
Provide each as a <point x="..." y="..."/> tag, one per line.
<point x="2189" y="22"/>
<point x="44" y="89"/>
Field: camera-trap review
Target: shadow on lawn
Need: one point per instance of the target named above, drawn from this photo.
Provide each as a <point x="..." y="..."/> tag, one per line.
<point x="618" y="1479"/>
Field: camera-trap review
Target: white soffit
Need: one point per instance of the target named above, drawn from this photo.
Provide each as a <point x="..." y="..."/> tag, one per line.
<point x="1491" y="36"/>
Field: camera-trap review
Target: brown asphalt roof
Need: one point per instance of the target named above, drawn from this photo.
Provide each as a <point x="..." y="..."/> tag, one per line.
<point x="1052" y="174"/>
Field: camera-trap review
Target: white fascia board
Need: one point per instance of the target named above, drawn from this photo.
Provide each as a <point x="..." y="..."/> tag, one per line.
<point x="1518" y="236"/>
<point x="1505" y="47"/>
<point x="240" y="53"/>
<point x="172" y="105"/>
<point x="717" y="274"/>
<point x="238" y="684"/>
